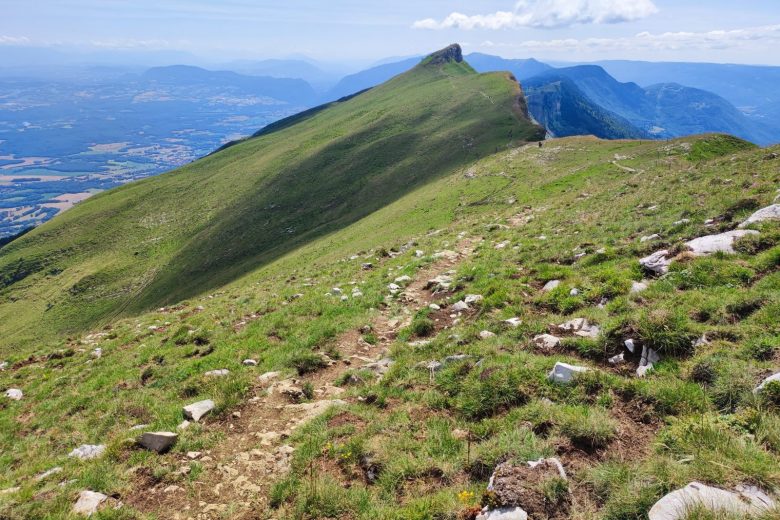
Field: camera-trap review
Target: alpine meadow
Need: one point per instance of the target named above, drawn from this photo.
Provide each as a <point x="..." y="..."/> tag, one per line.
<point x="532" y="292"/>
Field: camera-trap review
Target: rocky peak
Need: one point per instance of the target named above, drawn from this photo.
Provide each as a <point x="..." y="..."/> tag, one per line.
<point x="450" y="54"/>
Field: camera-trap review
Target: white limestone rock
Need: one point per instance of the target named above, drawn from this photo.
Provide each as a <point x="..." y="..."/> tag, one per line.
<point x="14" y="394"/>
<point x="460" y="306"/>
<point x="249" y="362"/>
<point x="403" y="279"/>
<point x="552" y="284"/>
<point x="195" y="411"/>
<point x="268" y="377"/>
<point x="547" y="341"/>
<point x="768" y="213"/>
<point x="723" y="242"/>
<point x="657" y="263"/>
<point x="618" y="359"/>
<point x="638" y="287"/>
<point x="563" y="373"/>
<point x="486" y="334"/>
<point x="473" y="298"/>
<point x="89" y="502"/>
<point x="222" y="372"/>
<point x="580" y="327"/>
<point x="648" y="238"/>
<point x="158" y="441"/>
<point x="504" y="513"/>
<point x="745" y="500"/>
<point x="88" y="451"/>
<point x="48" y="473"/>
<point x="759" y="388"/>
<point x="513" y="322"/>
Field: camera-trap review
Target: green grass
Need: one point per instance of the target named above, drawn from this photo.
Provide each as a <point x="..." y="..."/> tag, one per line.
<point x="696" y="409"/>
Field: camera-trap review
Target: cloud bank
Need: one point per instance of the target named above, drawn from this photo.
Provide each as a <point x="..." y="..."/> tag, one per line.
<point x="547" y="14"/>
<point x="669" y="41"/>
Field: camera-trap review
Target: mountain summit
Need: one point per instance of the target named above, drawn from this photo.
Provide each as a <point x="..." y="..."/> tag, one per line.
<point x="450" y="54"/>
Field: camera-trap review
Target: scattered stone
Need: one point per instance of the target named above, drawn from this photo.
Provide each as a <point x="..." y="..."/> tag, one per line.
<point x="419" y="253"/>
<point x="643" y="370"/>
<point x="768" y="213"/>
<point x="473" y="298"/>
<point x="460" y="306"/>
<point x="434" y="307"/>
<point x="446" y="254"/>
<point x="618" y="359"/>
<point x="14" y="394"/>
<point x="158" y="441"/>
<point x="454" y="359"/>
<point x="336" y="291"/>
<point x="10" y="490"/>
<point x="48" y="473"/>
<point x="192" y="455"/>
<point x="486" y="334"/>
<point x="88" y="451"/>
<point x="513" y="322"/>
<point x="97" y="353"/>
<point x="547" y="341"/>
<point x="722" y="242"/>
<point x="654" y="236"/>
<point x="268" y="377"/>
<point x="702" y="341"/>
<point x="574" y="292"/>
<point x="563" y="373"/>
<point x="249" y="363"/>
<point x="657" y="263"/>
<point x="394" y="287"/>
<point x="552" y="284"/>
<point x="502" y="245"/>
<point x="630" y="345"/>
<point x="503" y="513"/>
<point x="681" y="222"/>
<point x="380" y="367"/>
<point x="744" y="500"/>
<point x="367" y="266"/>
<point x="222" y="372"/>
<point x="440" y="283"/>
<point x="89" y="502"/>
<point x="195" y="411"/>
<point x="3" y="365"/>
<point x="580" y="327"/>
<point x="765" y="382"/>
<point x="183" y="425"/>
<point x="638" y="287"/>
<point x="403" y="279"/>
<point x="138" y="427"/>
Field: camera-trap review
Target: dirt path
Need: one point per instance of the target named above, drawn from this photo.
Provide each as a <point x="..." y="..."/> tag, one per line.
<point x="239" y="472"/>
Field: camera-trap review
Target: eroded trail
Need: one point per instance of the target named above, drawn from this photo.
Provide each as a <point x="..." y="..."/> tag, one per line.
<point x="238" y="473"/>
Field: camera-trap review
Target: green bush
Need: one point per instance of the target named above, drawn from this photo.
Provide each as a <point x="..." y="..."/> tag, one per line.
<point x="668" y="332"/>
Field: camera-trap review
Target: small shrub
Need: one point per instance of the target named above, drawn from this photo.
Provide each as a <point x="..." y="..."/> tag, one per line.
<point x="306" y="363"/>
<point x="703" y="372"/>
<point x="590" y="428"/>
<point x="667" y="332"/>
<point x="308" y="390"/>
<point x="763" y="349"/>
<point x="422" y="326"/>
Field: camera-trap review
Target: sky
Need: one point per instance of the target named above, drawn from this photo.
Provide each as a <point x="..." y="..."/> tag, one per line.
<point x="363" y="31"/>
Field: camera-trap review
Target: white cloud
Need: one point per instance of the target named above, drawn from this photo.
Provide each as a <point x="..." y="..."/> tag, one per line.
<point x="129" y="43"/>
<point x="14" y="40"/>
<point x="547" y="14"/>
<point x="744" y="38"/>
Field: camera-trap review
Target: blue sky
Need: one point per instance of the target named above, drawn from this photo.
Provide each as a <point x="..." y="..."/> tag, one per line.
<point x="344" y="30"/>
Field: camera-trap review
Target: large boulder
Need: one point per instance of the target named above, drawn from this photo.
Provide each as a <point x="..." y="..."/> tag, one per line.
<point x="657" y="263"/>
<point x="563" y="373"/>
<point x="158" y="441"/>
<point x="745" y="500"/>
<point x="721" y="243"/>
<point x="195" y="411"/>
<point x="768" y="213"/>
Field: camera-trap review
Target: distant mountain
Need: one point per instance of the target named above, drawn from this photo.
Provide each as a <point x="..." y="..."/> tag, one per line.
<point x="278" y="68"/>
<point x="663" y="110"/>
<point x="369" y="78"/>
<point x="284" y="89"/>
<point x="561" y="107"/>
<point x="521" y="69"/>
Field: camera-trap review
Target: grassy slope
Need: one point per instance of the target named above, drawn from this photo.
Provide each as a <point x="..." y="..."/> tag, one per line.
<point x="579" y="200"/>
<point x="183" y="233"/>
